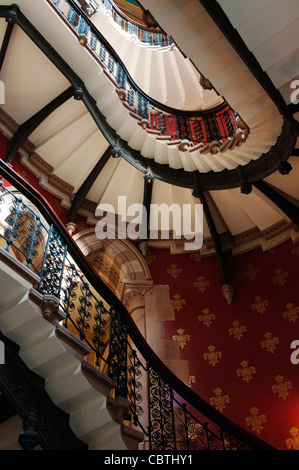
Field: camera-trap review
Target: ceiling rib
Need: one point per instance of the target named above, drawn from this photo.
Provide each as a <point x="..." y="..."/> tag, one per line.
<point x="32" y="123"/>
<point x="88" y="183"/>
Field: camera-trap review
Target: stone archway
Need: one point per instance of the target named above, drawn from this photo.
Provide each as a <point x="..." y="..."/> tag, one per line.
<point x="123" y="268"/>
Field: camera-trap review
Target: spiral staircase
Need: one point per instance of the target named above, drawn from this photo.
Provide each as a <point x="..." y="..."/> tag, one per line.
<point x="46" y="56"/>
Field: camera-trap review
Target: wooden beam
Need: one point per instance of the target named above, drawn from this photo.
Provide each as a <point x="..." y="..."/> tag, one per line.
<point x="147" y="199"/>
<point x="5" y="42"/>
<point x="279" y="200"/>
<point x="86" y="186"/>
<point x="216" y="238"/>
<point x="7" y="411"/>
<point x="32" y="123"/>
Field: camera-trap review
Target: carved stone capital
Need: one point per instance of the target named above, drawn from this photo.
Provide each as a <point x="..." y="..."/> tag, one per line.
<point x="134" y="296"/>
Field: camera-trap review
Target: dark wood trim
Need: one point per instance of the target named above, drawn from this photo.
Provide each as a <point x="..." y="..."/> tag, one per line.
<point x="32" y="123"/>
<point x="279" y="200"/>
<point x="295" y="153"/>
<point x="232" y="35"/>
<point x="215" y="237"/>
<point x="227" y="179"/>
<point x="138" y="339"/>
<point x="86" y="186"/>
<point x="293" y="108"/>
<point x="147" y="199"/>
<point x="5" y="42"/>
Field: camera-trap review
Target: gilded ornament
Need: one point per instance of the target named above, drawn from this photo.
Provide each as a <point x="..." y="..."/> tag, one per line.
<point x="246" y="372"/>
<point x="177" y="302"/>
<point x="174" y="271"/>
<point x="260" y="305"/>
<point x="237" y="330"/>
<point x="255" y="420"/>
<point x="269" y="343"/>
<point x="212" y="356"/>
<point x="282" y="388"/>
<point x="181" y="338"/>
<point x="293" y="442"/>
<point x="219" y="400"/>
<point x="150" y="259"/>
<point x="191" y="381"/>
<point x="201" y="284"/>
<point x="291" y="313"/>
<point x="196" y="257"/>
<point x="251" y="271"/>
<point x="280" y="277"/>
<point x="206" y="317"/>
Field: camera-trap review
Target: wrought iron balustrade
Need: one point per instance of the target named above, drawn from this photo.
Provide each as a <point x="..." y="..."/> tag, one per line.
<point x="144" y="34"/>
<point x="169" y="413"/>
<point x="196" y="127"/>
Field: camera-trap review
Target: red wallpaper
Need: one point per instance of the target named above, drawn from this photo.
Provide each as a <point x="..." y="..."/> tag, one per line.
<point x="53" y="201"/>
<point x="239" y="354"/>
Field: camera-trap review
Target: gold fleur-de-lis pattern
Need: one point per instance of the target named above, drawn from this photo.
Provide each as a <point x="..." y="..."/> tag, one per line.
<point x="201" y="284"/>
<point x="246" y="372"/>
<point x="293" y="441"/>
<point x="251" y="272"/>
<point x="256" y="420"/>
<point x="178" y="303"/>
<point x="219" y="401"/>
<point x="181" y="338"/>
<point x="212" y="356"/>
<point x="239" y="352"/>
<point x="291" y="313"/>
<point x="192" y="380"/>
<point x="206" y="317"/>
<point x="282" y="387"/>
<point x="269" y="343"/>
<point x="237" y="330"/>
<point x="260" y="305"/>
<point x="280" y="277"/>
<point x="174" y="271"/>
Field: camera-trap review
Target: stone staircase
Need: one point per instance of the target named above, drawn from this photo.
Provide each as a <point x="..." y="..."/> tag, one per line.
<point x="34" y="322"/>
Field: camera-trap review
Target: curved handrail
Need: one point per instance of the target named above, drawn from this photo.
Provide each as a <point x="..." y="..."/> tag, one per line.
<point x="147" y="35"/>
<point x="155" y="367"/>
<point x="196" y="127"/>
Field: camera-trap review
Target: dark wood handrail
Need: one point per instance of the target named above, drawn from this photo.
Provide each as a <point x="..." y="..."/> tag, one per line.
<point x="149" y="355"/>
<point x="152" y="101"/>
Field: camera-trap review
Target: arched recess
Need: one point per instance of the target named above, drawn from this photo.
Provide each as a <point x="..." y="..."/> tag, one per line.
<point x="122" y="267"/>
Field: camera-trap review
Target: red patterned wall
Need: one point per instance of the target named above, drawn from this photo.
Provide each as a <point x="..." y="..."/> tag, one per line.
<point x="239" y="354"/>
<point x="52" y="200"/>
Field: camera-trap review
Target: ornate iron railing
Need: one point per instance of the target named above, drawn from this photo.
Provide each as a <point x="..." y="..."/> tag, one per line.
<point x="197" y="127"/>
<point x="143" y="34"/>
<point x="169" y="413"/>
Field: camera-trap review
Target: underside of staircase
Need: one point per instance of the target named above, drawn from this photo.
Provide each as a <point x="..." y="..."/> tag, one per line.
<point x="96" y="420"/>
<point x="93" y="134"/>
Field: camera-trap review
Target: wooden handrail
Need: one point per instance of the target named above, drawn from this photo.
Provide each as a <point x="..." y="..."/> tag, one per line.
<point x="145" y="350"/>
